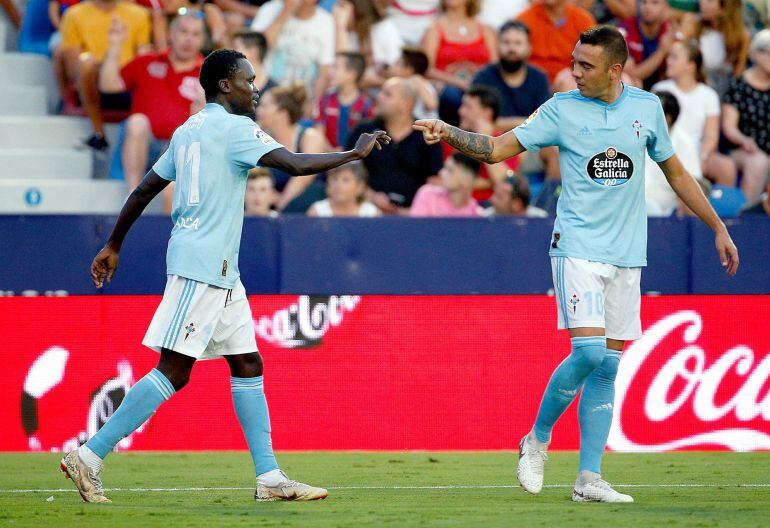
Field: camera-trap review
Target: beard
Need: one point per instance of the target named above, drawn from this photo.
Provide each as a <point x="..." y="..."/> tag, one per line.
<point x="511" y="66"/>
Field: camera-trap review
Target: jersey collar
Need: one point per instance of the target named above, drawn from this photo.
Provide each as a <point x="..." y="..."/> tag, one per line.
<point x="623" y="95"/>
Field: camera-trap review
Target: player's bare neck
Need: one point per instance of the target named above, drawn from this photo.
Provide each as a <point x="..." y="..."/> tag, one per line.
<point x="612" y="94"/>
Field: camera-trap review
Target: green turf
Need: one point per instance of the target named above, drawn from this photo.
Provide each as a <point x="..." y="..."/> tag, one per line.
<point x="723" y="504"/>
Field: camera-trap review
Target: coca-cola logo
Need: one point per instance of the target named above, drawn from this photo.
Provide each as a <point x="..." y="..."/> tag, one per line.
<point x="691" y="398"/>
<point x="304" y="323"/>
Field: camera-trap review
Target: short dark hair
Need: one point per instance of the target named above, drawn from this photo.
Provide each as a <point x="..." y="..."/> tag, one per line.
<point x="220" y="64"/>
<point x="515" y="25"/>
<point x="519" y="189"/>
<point x="488" y="98"/>
<point x="253" y="39"/>
<point x="610" y="39"/>
<point x="670" y="105"/>
<point x="467" y="162"/>
<point x="416" y="59"/>
<point x="354" y="61"/>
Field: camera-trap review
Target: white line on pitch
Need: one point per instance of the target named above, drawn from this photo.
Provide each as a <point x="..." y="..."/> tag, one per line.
<point x="447" y="487"/>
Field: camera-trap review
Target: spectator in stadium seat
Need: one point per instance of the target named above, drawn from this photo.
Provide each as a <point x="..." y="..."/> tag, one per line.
<point x="164" y="92"/>
<point x="660" y="197"/>
<point x="214" y="27"/>
<point x="253" y="44"/>
<point x="301" y="39"/>
<point x="260" y="193"/>
<point x="699" y="109"/>
<point x="361" y="26"/>
<point x="457" y="46"/>
<point x="344" y="106"/>
<point x="401" y="167"/>
<point x="522" y="87"/>
<point x="86" y="29"/>
<point x="279" y="113"/>
<point x="555" y="26"/>
<point x="746" y="118"/>
<point x="479" y="112"/>
<point x="649" y="39"/>
<point x="453" y="196"/>
<point x="723" y="40"/>
<point x="511" y="198"/>
<point x="412" y="66"/>
<point x="56" y="9"/>
<point x="346" y="191"/>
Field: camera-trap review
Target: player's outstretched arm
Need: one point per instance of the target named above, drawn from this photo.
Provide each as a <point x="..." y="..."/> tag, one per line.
<point x="479" y="146"/>
<point x="106" y="261"/>
<point x="691" y="194"/>
<point x="301" y="164"/>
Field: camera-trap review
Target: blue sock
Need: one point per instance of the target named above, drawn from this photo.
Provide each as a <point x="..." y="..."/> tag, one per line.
<point x="251" y="407"/>
<point x="595" y="412"/>
<point x="587" y="354"/>
<point x="138" y="405"/>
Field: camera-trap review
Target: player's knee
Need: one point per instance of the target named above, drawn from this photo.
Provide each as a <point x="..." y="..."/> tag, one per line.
<point x="590" y="351"/>
<point x="246" y="365"/>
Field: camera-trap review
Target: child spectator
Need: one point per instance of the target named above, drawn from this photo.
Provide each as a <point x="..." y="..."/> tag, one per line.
<point x="660" y="197"/>
<point x="344" y="106"/>
<point x="413" y="65"/>
<point x="511" y="198"/>
<point x="253" y="44"/>
<point x="260" y="194"/>
<point x="453" y="197"/>
<point x="345" y="188"/>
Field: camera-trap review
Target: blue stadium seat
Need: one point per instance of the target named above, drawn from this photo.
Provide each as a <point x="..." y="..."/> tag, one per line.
<point x="36" y="28"/>
<point x="726" y="201"/>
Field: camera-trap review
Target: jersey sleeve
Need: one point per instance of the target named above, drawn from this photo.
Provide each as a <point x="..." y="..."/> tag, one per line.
<point x="248" y="143"/>
<point x="659" y="145"/>
<point x="165" y="167"/>
<point x="541" y="129"/>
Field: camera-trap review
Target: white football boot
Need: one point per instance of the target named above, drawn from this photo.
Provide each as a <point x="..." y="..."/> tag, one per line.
<point x="531" y="466"/>
<point x="598" y="491"/>
<point x="87" y="480"/>
<point x="288" y="490"/>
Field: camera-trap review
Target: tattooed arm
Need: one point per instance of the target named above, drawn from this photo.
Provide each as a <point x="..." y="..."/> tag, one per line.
<point x="479" y="146"/>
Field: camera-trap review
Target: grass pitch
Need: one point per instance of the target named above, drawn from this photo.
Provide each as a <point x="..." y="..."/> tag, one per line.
<point x="174" y="490"/>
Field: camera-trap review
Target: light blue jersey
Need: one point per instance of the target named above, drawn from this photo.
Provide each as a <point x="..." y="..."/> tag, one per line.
<point x="601" y="212"/>
<point x="209" y="158"/>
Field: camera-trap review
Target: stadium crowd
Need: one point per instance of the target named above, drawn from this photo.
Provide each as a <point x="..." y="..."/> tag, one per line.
<point x="329" y="70"/>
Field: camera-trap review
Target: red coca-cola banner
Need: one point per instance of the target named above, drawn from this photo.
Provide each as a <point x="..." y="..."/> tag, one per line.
<point x="380" y="372"/>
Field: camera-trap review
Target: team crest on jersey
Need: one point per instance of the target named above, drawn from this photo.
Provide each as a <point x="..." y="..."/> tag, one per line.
<point x="573" y="301"/>
<point x="262" y="136"/>
<point x="610" y="168"/>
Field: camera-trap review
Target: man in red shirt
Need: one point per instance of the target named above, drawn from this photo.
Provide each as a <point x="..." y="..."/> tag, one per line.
<point x="555" y="26"/>
<point x="164" y="91"/>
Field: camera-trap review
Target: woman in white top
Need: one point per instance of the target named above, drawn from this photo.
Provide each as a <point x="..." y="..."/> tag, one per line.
<point x="361" y="26"/>
<point x="699" y="104"/>
<point x="345" y="188"/>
